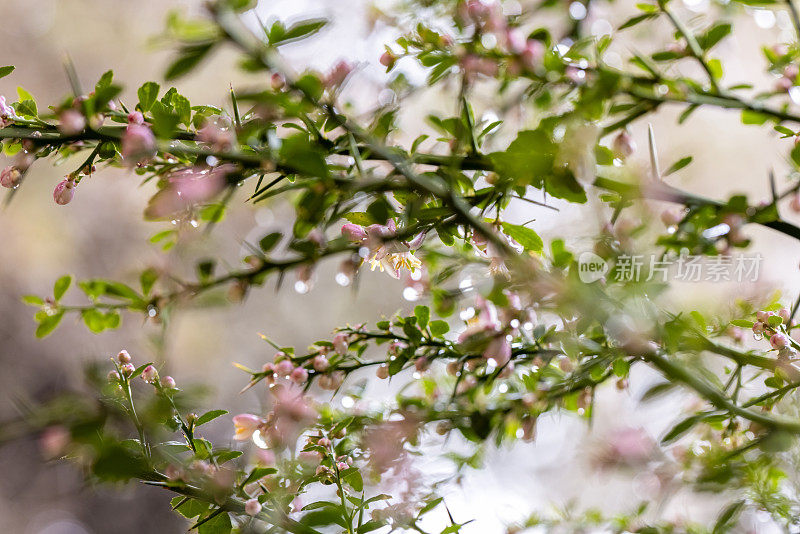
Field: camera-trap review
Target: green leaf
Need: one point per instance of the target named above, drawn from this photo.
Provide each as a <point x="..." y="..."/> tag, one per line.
<point x="678" y="165"/>
<point x="423" y="315"/>
<point x="219" y="524"/>
<point x="48" y="324"/>
<point x="295" y="32"/>
<point x="182" y="108"/>
<point x="257" y="474"/>
<point x="681" y="428"/>
<point x="105" y="80"/>
<point x="753" y="117"/>
<point x="148" y="279"/>
<point x="439" y="328"/>
<point x="269" y="241"/>
<point x="713" y="36"/>
<point x="189" y="508"/>
<point x="524" y="236"/>
<point x="359" y="217"/>
<point x="742" y="323"/>
<point x="61" y="286"/>
<point x="188" y="58"/>
<point x="728" y="517"/>
<point x="209" y="416"/>
<point x="148" y="93"/>
<point x="27" y="108"/>
<point x="33" y="300"/>
<point x="528" y="159"/>
<point x="5" y="71"/>
<point x="637" y="19"/>
<point x="301" y="155"/>
<point x="354" y="479"/>
<point x="164" y="119"/>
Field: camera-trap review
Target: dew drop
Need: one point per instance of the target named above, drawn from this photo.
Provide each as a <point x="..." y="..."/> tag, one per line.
<point x="301" y="287"/>
<point x="410" y="294"/>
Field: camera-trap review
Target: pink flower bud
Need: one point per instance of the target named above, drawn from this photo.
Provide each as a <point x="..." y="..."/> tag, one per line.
<point x="779" y="341"/>
<point x="532" y="54"/>
<point x="624" y="144"/>
<point x="382" y="372"/>
<point x="783" y="313"/>
<point x="10" y="177"/>
<point x="277" y="81"/>
<point x="473" y="65"/>
<point x="71" y="122"/>
<point x="123" y="356"/>
<point x="324" y="442"/>
<point x="113" y="376"/>
<point x="671" y="217"/>
<point x="150" y="374"/>
<point x="762" y="316"/>
<point x="338" y="74"/>
<point x="135" y="117"/>
<point x="499" y="350"/>
<point x="127" y="369"/>
<point x="354" y="232"/>
<point x="515" y="40"/>
<point x="320" y="363"/>
<point x="283" y="367"/>
<point x="54" y="441"/>
<point x="252" y="507"/>
<point x="138" y="144"/>
<point x="340" y="342"/>
<point x="168" y="382"/>
<point x="299" y="375"/>
<point x="321" y="470"/>
<point x="387" y="59"/>
<point x="64" y="192"/>
<point x="341" y="466"/>
<point x="758" y="327"/>
<point x="217" y="133"/>
<point x="453" y="368"/>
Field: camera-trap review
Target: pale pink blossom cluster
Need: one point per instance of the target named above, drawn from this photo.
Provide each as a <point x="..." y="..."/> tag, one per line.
<point x="488" y="17"/>
<point x="386" y="253"/>
<point x="188" y="187"/>
<point x="138" y="141"/>
<point x="625" y="448"/>
<point x="490" y="331"/>
<point x="7" y="114"/>
<point x="496" y="257"/>
<point x="218" y="133"/>
<point x="291" y="414"/>
<point x="338" y="74"/>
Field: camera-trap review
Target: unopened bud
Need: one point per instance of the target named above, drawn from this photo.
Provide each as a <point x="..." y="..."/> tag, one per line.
<point x="252" y="507"/>
<point x="64" y="192"/>
<point x="168" y="382"/>
<point x="382" y="372"/>
<point x="150" y="374"/>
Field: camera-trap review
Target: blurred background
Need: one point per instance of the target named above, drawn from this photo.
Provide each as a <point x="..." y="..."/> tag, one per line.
<point x="102" y="234"/>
